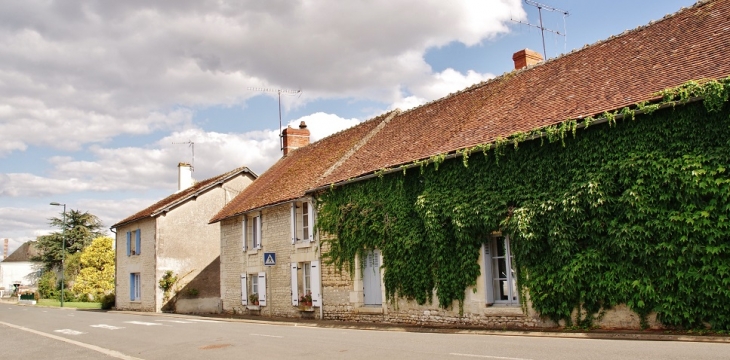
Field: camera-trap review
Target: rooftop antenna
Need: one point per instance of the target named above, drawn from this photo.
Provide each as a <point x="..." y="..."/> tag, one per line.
<point x="191" y="145"/>
<point x="279" y="92"/>
<point x="540" y="7"/>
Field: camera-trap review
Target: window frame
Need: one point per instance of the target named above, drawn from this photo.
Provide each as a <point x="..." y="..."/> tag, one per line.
<point x="495" y="282"/>
<point x="135" y="287"/>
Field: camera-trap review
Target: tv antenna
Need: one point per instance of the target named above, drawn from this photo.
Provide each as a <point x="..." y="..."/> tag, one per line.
<point x="540" y="7"/>
<point x="279" y="92"/>
<point x="191" y="145"/>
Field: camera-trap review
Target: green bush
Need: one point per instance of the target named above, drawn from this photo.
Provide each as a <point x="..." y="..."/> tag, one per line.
<point x="107" y="301"/>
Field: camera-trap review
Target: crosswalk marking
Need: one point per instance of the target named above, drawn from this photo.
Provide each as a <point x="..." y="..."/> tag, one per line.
<point x="108" y="327"/>
<point x="142" y="323"/>
<point x="69" y="332"/>
<point x="204" y="321"/>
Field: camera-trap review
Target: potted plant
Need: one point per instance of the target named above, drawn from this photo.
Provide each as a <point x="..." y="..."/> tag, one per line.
<point x="306" y="300"/>
<point x="253" y="299"/>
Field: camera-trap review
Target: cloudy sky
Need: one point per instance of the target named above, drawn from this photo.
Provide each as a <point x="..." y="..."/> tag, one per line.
<point x="95" y="94"/>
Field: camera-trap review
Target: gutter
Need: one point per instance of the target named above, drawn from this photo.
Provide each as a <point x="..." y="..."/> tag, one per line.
<point x="455" y="153"/>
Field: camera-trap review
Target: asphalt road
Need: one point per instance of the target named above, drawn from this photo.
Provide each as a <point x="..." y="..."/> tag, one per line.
<point x="53" y="333"/>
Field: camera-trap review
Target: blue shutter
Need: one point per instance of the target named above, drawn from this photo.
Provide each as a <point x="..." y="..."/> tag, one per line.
<point x="139" y="241"/>
<point x="131" y="287"/>
<point x="129" y="243"/>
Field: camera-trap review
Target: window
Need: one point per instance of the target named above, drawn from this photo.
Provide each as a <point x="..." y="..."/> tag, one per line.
<point x="253" y="289"/>
<point x="502" y="285"/>
<point x="251" y="231"/>
<point x="305" y="284"/>
<point x="134" y="247"/>
<point x="134" y="287"/>
<point x="302" y="222"/>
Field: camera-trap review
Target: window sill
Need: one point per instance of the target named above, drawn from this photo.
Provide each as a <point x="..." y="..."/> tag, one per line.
<point x="253" y="307"/>
<point x="303" y="244"/>
<point x="252" y="252"/>
<point x="303" y="308"/>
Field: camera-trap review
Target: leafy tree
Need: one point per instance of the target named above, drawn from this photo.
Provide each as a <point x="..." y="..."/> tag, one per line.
<point x="80" y="229"/>
<point x="96" y="278"/>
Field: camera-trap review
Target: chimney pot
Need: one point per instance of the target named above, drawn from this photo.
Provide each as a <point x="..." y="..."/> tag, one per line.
<point x="5" y="248"/>
<point x="525" y="58"/>
<point x="184" y="176"/>
<point x="295" y="138"/>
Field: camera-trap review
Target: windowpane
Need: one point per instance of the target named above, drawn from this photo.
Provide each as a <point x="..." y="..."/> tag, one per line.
<point x="305" y="221"/>
<point x="503" y="271"/>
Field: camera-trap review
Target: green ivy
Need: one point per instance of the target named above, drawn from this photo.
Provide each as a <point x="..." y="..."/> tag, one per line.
<point x="634" y="213"/>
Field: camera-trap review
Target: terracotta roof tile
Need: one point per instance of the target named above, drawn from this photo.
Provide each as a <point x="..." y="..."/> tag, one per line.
<point x="297" y="172"/>
<point x="190" y="192"/>
<point x="620" y="71"/>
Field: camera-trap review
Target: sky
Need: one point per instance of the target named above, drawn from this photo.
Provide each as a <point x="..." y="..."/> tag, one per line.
<point x="100" y="99"/>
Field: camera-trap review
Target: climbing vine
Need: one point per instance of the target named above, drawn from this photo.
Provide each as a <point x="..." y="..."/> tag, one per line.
<point x="635" y="213"/>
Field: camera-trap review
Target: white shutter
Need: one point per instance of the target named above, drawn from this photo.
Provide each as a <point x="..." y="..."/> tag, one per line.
<point x="244" y="290"/>
<point x="486" y="255"/>
<point x="258" y="231"/>
<point x="310" y="220"/>
<point x="262" y="289"/>
<point x="293" y="227"/>
<point x="294" y="285"/>
<point x="244" y="232"/>
<point x="315" y="284"/>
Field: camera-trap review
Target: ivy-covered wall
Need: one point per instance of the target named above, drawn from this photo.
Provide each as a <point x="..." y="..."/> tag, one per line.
<point x="631" y="212"/>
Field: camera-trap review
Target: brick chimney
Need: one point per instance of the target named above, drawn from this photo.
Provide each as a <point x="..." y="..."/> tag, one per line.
<point x="5" y="249"/>
<point x="525" y="58"/>
<point x="295" y="138"/>
<point x="184" y="176"/>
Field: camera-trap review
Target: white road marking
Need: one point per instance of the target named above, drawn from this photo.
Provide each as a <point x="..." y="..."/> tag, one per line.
<point x="204" y="321"/>
<point x="105" y="326"/>
<point x="273" y="336"/>
<point x="102" y="350"/>
<point x="487" y="356"/>
<point x="69" y="332"/>
<point x="176" y="321"/>
<point x="141" y="323"/>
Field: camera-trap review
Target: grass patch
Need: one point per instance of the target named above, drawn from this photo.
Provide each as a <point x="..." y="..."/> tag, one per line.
<point x="69" y="304"/>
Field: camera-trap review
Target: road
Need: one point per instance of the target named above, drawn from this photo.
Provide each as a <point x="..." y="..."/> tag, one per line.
<point x="45" y="333"/>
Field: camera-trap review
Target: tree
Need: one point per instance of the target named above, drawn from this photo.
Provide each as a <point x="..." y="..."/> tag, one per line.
<point x="81" y="228"/>
<point x="96" y="277"/>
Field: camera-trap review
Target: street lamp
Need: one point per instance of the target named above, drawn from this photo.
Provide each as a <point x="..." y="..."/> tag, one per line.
<point x="63" y="246"/>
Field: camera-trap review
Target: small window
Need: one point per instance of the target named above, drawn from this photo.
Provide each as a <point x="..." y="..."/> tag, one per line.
<point x="134" y="287"/>
<point x="305" y="221"/>
<point x="305" y="283"/>
<point x="502" y="271"/>
<point x="256" y="232"/>
<point x="134" y="242"/>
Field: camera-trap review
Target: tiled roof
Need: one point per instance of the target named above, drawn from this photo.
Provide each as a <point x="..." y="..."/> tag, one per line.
<point x="297" y="172"/>
<point x="25" y="252"/>
<point x="632" y="67"/>
<point x="184" y="195"/>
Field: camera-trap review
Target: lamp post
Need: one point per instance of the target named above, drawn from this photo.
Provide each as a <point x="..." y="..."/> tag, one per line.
<point x="63" y="246"/>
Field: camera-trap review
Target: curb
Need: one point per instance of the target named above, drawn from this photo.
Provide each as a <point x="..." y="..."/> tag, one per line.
<point x="386" y="327"/>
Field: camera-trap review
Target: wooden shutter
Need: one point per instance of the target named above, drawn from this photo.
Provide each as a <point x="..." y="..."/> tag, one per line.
<point x="315" y="284"/>
<point x="310" y="220"/>
<point x="244" y="231"/>
<point x="258" y="231"/>
<point x="244" y="290"/>
<point x="131" y="286"/>
<point x="262" y="289"/>
<point x="129" y="243"/>
<point x="294" y="285"/>
<point x="293" y="226"/>
<point x="138" y="242"/>
<point x="487" y="256"/>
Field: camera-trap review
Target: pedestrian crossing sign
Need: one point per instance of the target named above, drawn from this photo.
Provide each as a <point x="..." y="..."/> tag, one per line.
<point x="269" y="258"/>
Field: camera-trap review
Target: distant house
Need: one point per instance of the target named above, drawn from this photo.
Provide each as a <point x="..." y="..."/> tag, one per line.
<point x="173" y="235"/>
<point x="18" y="270"/>
<point x="390" y="188"/>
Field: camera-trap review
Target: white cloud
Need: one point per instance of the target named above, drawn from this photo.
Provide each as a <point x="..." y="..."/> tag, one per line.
<point x="74" y="73"/>
<point x="439" y="85"/>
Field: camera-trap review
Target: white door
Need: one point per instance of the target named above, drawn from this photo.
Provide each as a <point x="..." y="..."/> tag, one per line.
<point x="371" y="279"/>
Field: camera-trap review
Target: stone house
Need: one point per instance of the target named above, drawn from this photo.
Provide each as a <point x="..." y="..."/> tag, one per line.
<point x="274" y="216"/>
<point x="173" y="235"/>
<point x="618" y="78"/>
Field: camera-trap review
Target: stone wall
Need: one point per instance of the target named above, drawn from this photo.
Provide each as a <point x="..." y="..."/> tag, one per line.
<point x="275" y="237"/>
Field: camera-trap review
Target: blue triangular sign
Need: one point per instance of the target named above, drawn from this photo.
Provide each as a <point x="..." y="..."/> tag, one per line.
<point x="269" y="260"/>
